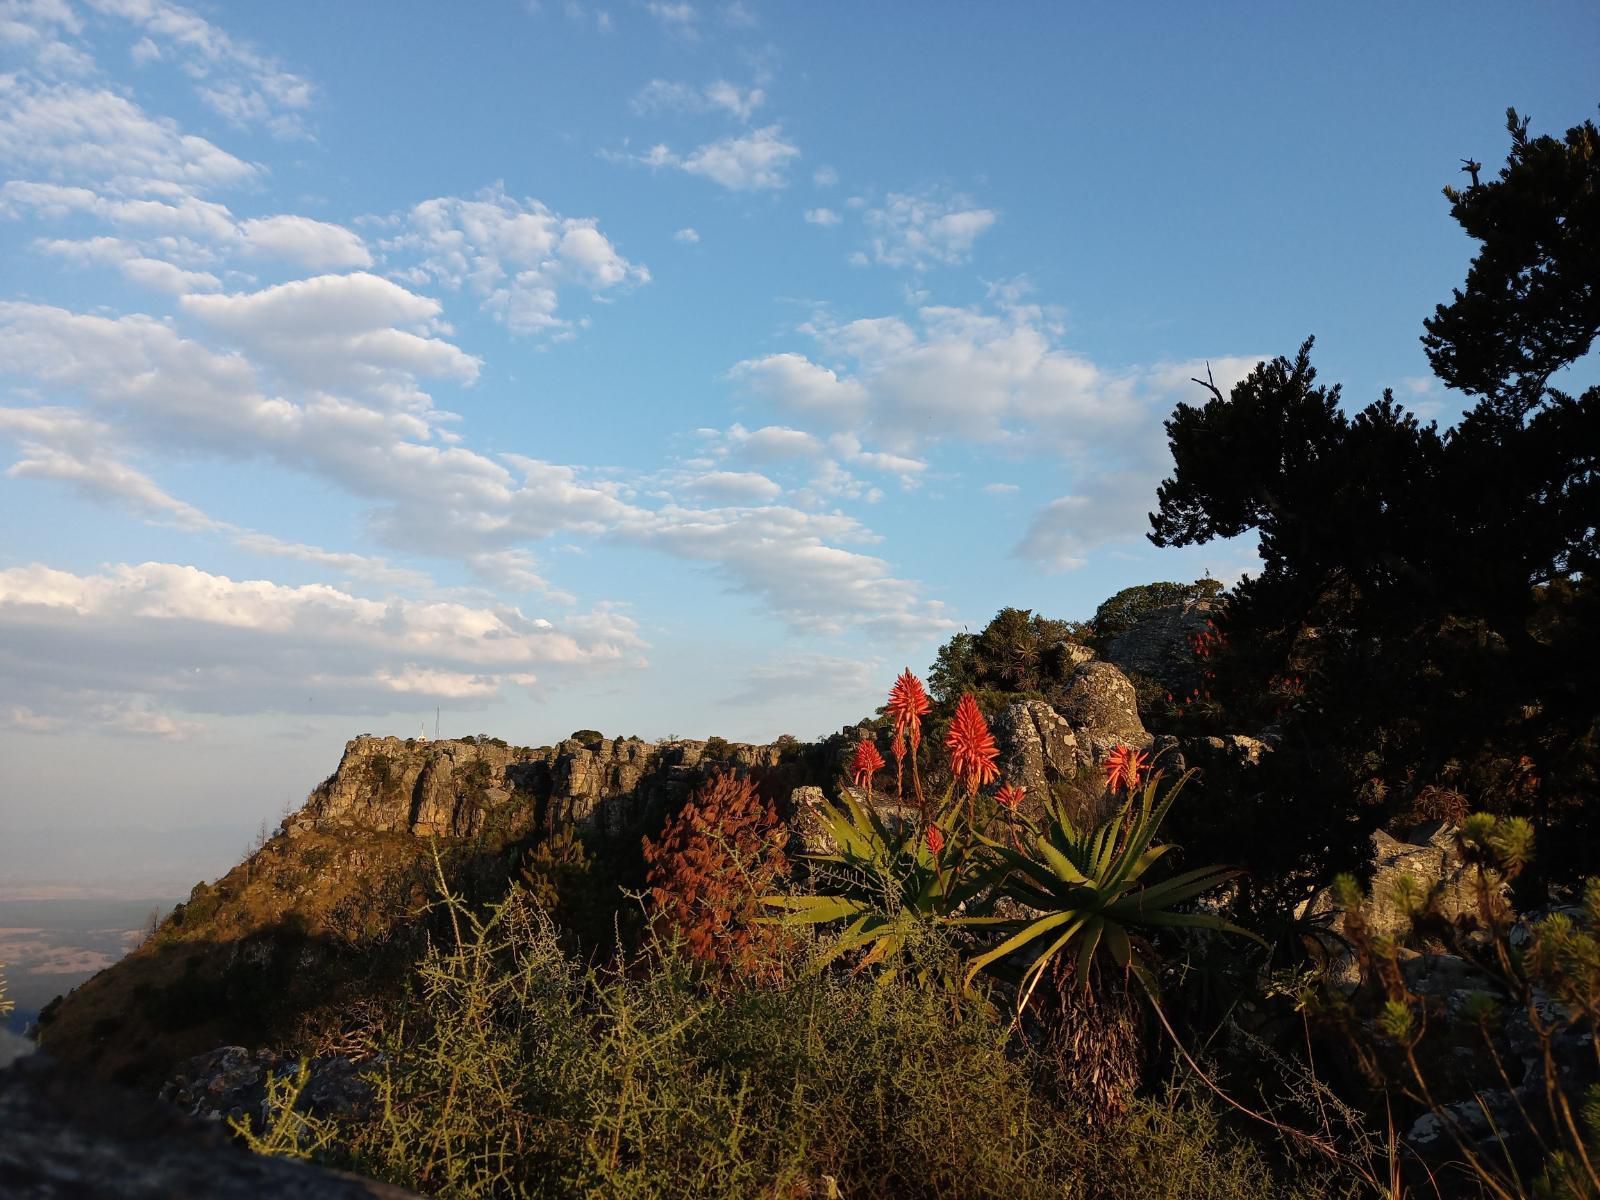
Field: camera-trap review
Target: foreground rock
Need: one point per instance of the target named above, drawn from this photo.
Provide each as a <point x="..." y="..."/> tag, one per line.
<point x="230" y="1083"/>
<point x="1427" y="863"/>
<point x="68" y="1136"/>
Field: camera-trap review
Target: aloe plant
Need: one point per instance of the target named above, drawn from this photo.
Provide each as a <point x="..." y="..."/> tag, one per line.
<point x="885" y="883"/>
<point x="1089" y="893"/>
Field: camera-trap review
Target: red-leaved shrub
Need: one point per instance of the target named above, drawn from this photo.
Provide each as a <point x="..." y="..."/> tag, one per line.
<point x="709" y="866"/>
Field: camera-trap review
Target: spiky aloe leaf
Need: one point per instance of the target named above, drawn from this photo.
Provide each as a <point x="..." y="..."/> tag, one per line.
<point x="813" y="910"/>
<point x="1180" y="888"/>
<point x="1032" y="931"/>
<point x="1060" y="863"/>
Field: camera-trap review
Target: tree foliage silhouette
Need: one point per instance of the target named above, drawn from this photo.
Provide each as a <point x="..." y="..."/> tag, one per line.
<point x="1434" y="589"/>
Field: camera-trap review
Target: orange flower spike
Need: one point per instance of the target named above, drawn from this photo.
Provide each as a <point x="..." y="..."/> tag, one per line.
<point x="935" y="840"/>
<point x="1011" y="796"/>
<point x="1124" y="766"/>
<point x="908" y="704"/>
<point x="866" y="763"/>
<point x="971" y="746"/>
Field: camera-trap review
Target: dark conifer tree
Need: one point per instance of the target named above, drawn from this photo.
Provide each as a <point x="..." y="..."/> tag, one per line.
<point x="1435" y="591"/>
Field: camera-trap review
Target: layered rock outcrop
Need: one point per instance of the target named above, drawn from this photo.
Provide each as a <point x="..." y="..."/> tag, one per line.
<point x="460" y="789"/>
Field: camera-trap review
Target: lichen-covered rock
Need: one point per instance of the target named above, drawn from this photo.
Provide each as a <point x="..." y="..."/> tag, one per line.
<point x="1101" y="706"/>
<point x="807" y="834"/>
<point x="1039" y="747"/>
<point x="1427" y="864"/>
<point x="1231" y="750"/>
<point x="1159" y="646"/>
<point x="1430" y="860"/>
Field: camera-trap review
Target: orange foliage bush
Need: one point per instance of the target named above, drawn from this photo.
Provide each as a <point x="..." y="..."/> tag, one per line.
<point x="709" y="866"/>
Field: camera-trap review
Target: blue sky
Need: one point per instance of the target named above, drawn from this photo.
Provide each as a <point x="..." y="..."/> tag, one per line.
<point x="665" y="368"/>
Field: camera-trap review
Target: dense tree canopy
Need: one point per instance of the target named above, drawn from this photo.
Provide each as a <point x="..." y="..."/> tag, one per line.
<point x="1434" y="589"/>
<point x="1018" y="651"/>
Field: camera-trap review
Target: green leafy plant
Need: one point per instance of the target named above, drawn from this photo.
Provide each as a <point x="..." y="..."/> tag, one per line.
<point x="1089" y="893"/>
<point x="288" y="1131"/>
<point x="888" y="881"/>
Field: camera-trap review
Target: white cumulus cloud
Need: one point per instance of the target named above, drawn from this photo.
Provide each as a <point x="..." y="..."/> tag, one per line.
<point x="515" y="256"/>
<point x="925" y="230"/>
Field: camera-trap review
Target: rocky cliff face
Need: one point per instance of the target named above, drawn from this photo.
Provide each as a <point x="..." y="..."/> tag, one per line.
<point x="463" y="789"/>
<point x="336" y="896"/>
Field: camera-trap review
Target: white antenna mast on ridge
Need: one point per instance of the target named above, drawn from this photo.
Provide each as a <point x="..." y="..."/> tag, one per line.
<point x="436" y="724"/>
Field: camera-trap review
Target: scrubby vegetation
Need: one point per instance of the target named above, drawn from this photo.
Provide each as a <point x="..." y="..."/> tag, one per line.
<point x="636" y="1080"/>
<point x="1537" y="982"/>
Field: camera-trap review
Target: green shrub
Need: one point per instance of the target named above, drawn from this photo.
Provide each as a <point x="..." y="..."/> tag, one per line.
<point x="576" y="888"/>
<point x="515" y="1072"/>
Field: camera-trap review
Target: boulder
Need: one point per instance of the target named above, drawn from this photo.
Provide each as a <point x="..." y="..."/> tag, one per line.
<point x="807" y="834"/>
<point x="1159" y="645"/>
<point x="68" y="1135"/>
<point x="230" y="1082"/>
<point x="1039" y="747"/>
<point x="1429" y="860"/>
<point x="1100" y="704"/>
<point x="1231" y="750"/>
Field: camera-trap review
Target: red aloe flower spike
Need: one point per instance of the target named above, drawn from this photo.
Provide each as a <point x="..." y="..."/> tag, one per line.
<point x="935" y="840"/>
<point x="908" y="703"/>
<point x="1010" y="796"/>
<point x="1124" y="766"/>
<point x="866" y="763"/>
<point x="971" y="746"/>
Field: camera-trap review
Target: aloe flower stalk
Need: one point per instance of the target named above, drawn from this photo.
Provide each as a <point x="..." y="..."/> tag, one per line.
<point x="1011" y="796"/>
<point x="972" y="748"/>
<point x="908" y="704"/>
<point x="1124" y="767"/>
<point x="866" y="763"/>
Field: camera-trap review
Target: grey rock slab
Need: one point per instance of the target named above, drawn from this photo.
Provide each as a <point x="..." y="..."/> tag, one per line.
<point x="67" y="1136"/>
